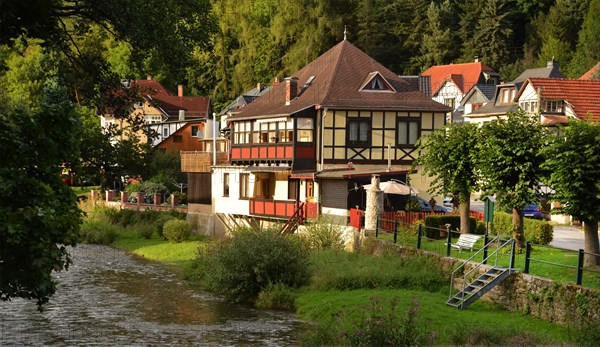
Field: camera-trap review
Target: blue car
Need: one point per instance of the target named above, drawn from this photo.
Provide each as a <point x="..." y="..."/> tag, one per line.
<point x="532" y="211"/>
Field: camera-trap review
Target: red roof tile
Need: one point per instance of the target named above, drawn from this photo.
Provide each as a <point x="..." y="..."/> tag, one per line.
<point x="339" y="74"/>
<point x="582" y="95"/>
<point x="471" y="75"/>
<point x="194" y="106"/>
<point x="591" y="72"/>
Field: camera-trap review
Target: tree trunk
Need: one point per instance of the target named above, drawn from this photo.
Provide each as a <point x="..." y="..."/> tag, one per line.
<point x="465" y="208"/>
<point x="518" y="233"/>
<point x="592" y="245"/>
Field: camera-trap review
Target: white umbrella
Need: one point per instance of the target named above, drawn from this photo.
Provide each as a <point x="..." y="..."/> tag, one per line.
<point x="395" y="187"/>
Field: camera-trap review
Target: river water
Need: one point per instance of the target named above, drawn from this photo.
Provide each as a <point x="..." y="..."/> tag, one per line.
<point x="110" y="298"/>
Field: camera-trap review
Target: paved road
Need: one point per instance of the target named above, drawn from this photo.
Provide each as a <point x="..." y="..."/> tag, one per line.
<point x="568" y="238"/>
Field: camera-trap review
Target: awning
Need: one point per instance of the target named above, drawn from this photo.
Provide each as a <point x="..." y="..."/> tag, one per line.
<point x="303" y="176"/>
<point x="267" y="168"/>
<point x="272" y="120"/>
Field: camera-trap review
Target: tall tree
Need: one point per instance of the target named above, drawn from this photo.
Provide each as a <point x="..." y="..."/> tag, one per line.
<point x="449" y="155"/>
<point x="573" y="165"/>
<point x="510" y="162"/>
<point x="588" y="47"/>
<point x="437" y="39"/>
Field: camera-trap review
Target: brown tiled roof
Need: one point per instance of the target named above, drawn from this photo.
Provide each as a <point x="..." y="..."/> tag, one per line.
<point x="591" y="72"/>
<point x="194" y="106"/>
<point x="338" y="76"/>
<point x="470" y="72"/>
<point x="582" y="95"/>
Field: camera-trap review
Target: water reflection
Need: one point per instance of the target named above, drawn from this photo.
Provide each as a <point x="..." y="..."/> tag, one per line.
<point x="110" y="298"/>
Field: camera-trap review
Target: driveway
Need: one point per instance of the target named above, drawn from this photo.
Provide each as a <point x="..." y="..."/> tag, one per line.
<point x="568" y="238"/>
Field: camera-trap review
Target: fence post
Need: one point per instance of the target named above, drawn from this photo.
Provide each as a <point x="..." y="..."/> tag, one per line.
<point x="448" y="240"/>
<point x="580" y="267"/>
<point x="512" y="255"/>
<point x="419" y="234"/>
<point x="395" y="231"/>
<point x="377" y="227"/>
<point x="527" y="255"/>
<point x="485" y="248"/>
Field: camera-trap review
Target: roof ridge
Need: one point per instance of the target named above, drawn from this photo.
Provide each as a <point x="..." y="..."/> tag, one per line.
<point x="337" y="65"/>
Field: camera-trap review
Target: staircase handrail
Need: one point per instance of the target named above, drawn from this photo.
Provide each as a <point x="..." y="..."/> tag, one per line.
<point x="294" y="219"/>
<point x="495" y="253"/>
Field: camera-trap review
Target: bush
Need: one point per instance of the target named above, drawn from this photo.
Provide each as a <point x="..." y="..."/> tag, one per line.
<point x="322" y="234"/>
<point x="99" y="232"/>
<point x="177" y="230"/>
<point x="433" y="224"/>
<point x="479" y="228"/>
<point x="277" y="297"/>
<point x="144" y="230"/>
<point x="133" y="188"/>
<point x="536" y="231"/>
<point x="243" y="265"/>
<point x="160" y="222"/>
<point x="383" y="326"/>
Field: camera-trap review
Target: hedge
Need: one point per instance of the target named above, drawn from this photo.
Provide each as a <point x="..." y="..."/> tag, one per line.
<point x="433" y="224"/>
<point x="536" y="231"/>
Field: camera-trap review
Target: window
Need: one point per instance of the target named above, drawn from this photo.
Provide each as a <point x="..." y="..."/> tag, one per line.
<point x="241" y="132"/>
<point x="450" y="102"/>
<point x="165" y="132"/>
<point x="244" y="185"/>
<point x="139" y="104"/>
<point x="195" y="131"/>
<point x="305" y="129"/>
<point x="508" y="95"/>
<point x="376" y="84"/>
<point x="310" y="191"/>
<point x="553" y="106"/>
<point x="408" y="131"/>
<point x="225" y="184"/>
<point x="358" y="132"/>
<point x="152" y="119"/>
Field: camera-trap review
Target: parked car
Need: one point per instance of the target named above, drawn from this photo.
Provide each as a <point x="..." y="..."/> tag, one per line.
<point x="424" y="205"/>
<point x="444" y="209"/>
<point x="532" y="211"/>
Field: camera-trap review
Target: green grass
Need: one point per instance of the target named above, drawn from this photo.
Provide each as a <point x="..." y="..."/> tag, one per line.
<point x="158" y="249"/>
<point x="324" y="306"/>
<point x="538" y="267"/>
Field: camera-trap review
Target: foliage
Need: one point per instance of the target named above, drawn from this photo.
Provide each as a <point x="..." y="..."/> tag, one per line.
<point x="323" y="234"/>
<point x="176" y="230"/>
<point x="99" y="232"/>
<point x="510" y="163"/>
<point x="160" y="222"/>
<point x="242" y="266"/>
<point x="145" y="230"/>
<point x="149" y="187"/>
<point x="276" y="296"/>
<point x="133" y="188"/>
<point x="449" y="155"/>
<point x="381" y="325"/>
<point x="536" y="231"/>
<point x="39" y="216"/>
<point x="475" y="335"/>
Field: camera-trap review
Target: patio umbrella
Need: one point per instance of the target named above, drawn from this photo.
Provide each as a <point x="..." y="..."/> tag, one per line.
<point x="394" y="187"/>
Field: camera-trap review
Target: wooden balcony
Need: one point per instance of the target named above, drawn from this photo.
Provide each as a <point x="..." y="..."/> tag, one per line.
<point x="263" y="152"/>
<point x="200" y="161"/>
<point x="283" y="209"/>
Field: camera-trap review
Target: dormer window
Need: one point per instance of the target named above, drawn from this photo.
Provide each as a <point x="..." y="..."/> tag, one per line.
<point x="375" y="82"/>
<point x="553" y="106"/>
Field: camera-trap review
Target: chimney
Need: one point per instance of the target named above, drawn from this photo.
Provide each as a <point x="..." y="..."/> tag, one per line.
<point x="552" y="63"/>
<point x="276" y="82"/>
<point x="259" y="87"/>
<point x="477" y="59"/>
<point x="149" y="77"/>
<point x="291" y="89"/>
<point x="180" y="90"/>
<point x="181" y="115"/>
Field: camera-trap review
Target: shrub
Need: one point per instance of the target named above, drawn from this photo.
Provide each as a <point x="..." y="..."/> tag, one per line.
<point x="160" y="222"/>
<point x="99" y="232"/>
<point x="177" y="230"/>
<point x="433" y="224"/>
<point x="133" y="188"/>
<point x="153" y="188"/>
<point x="125" y="217"/>
<point x="144" y="230"/>
<point x="536" y="231"/>
<point x="322" y="234"/>
<point x="383" y="326"/>
<point x="241" y="266"/>
<point x="277" y="297"/>
<point x="479" y="228"/>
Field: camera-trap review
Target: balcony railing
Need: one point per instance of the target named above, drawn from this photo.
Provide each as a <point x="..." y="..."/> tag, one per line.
<point x="200" y="161"/>
<point x="272" y="208"/>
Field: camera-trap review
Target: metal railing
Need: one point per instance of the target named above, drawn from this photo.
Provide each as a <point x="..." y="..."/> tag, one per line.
<point x="494" y="255"/>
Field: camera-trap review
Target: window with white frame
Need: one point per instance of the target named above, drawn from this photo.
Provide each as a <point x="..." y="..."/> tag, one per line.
<point x="244" y="185"/>
<point x="305" y="129"/>
<point x="225" y="184"/>
<point x="241" y="132"/>
<point x="554" y="106"/>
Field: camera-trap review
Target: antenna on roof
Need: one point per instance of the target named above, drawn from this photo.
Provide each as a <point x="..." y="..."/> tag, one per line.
<point x="345" y="33"/>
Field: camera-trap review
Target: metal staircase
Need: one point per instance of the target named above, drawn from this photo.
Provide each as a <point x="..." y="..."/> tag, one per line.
<point x="473" y="290"/>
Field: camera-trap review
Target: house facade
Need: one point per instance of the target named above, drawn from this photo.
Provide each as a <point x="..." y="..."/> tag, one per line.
<point x="163" y="113"/>
<point x="313" y="140"/>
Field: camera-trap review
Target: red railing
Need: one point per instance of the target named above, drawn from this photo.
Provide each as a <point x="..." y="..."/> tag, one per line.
<point x="272" y="208"/>
<point x="388" y="218"/>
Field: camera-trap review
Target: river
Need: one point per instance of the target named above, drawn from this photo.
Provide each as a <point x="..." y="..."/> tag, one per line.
<point x="110" y="298"/>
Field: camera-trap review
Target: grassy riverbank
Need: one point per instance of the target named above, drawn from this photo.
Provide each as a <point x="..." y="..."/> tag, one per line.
<point x="343" y="285"/>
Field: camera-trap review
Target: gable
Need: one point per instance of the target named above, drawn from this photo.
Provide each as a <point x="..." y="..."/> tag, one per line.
<point x="375" y="82"/>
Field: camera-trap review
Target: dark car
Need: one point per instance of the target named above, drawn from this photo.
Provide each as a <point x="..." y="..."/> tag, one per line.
<point x="532" y="211"/>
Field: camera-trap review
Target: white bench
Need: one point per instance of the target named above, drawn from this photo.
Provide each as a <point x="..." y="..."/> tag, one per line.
<point x="465" y="241"/>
